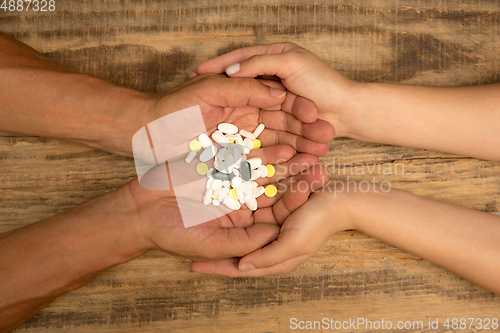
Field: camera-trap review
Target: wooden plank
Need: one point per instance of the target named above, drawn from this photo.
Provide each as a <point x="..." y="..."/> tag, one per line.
<point x="151" y="46"/>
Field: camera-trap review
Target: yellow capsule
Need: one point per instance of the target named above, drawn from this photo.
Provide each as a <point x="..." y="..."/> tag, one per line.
<point x="256" y="144"/>
<point x="232" y="193"/>
<point x="270" y="170"/>
<point x="195" y="145"/>
<point x="201" y="169"/>
<point x="271" y="191"/>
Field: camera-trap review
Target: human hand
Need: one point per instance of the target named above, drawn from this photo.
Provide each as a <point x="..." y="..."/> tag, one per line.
<point x="302" y="234"/>
<point x="301" y="72"/>
<point x="232" y="235"/>
<point x="245" y="103"/>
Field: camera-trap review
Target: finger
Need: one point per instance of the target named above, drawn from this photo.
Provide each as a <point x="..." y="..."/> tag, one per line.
<point x="219" y="64"/>
<point x="237" y="242"/>
<point x="273" y="154"/>
<point x="192" y="74"/>
<point x="299" y="143"/>
<point x="302" y="108"/>
<point x="294" y="192"/>
<point x="283" y="169"/>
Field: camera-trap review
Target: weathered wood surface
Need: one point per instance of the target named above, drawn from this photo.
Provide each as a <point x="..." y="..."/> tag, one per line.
<point x="151" y="46"/>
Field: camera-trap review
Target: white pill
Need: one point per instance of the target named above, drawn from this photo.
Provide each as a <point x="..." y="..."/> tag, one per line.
<point x="247" y="151"/>
<point x="232" y="203"/>
<point x="255" y="162"/>
<point x="236" y="172"/>
<point x="255" y="175"/>
<point x="204" y="140"/>
<point x="254" y="185"/>
<point x="263" y="171"/>
<point x="227" y="128"/>
<point x="207" y="199"/>
<point x="221" y="154"/>
<point x="216" y="184"/>
<point x="247" y="134"/>
<point x="258" y="191"/>
<point x="231" y="136"/>
<point x="246" y="187"/>
<point x="239" y="139"/>
<point x="209" y="183"/>
<point x="237" y="155"/>
<point x="247" y="143"/>
<point x="209" y="173"/>
<point x="251" y="204"/>
<point x="208" y="154"/>
<point x="226" y="183"/>
<point x="248" y="197"/>
<point x="235" y="147"/>
<point x="258" y="130"/>
<point x="190" y="156"/>
<point x="220" y="138"/>
<point x="236" y="182"/>
<point x="215" y="202"/>
<point x="241" y="195"/>
<point x="221" y="191"/>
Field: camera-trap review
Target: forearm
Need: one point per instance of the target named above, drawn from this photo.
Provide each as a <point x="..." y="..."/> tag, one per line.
<point x="51" y="257"/>
<point x="462" y="240"/>
<point x="41" y="97"/>
<point x="459" y="120"/>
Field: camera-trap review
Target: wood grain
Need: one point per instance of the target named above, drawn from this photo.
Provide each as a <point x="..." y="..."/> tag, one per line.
<point x="152" y="46"/>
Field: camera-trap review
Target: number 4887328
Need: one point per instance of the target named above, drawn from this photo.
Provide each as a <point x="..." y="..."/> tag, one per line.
<point x="27" y="5"/>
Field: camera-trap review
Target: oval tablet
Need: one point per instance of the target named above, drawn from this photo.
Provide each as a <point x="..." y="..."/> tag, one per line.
<point x="236" y="182"/>
<point x="245" y="171"/>
<point x="227" y="128"/>
<point x="258" y="191"/>
<point x="195" y="145"/>
<point x="255" y="162"/>
<point x="271" y="191"/>
<point x="208" y="154"/>
<point x="201" y="169"/>
<point x="251" y="204"/>
<point x="232" y="203"/>
<point x="271" y="170"/>
<point x="248" y="144"/>
<point x="204" y="140"/>
<point x="241" y="195"/>
<point x="255" y="175"/>
<point x="263" y="171"/>
<point x="247" y="134"/>
<point x="216" y="184"/>
<point x="220" y="138"/>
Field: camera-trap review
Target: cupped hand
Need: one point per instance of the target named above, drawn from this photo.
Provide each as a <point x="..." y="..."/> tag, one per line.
<point x="312" y="81"/>
<point x="237" y="233"/>
<point x="302" y="234"/>
<point x="245" y="102"/>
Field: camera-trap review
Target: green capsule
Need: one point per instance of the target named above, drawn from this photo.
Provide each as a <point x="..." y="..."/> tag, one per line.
<point x="222" y="176"/>
<point x="245" y="170"/>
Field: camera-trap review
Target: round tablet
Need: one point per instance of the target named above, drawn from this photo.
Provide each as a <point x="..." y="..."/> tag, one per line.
<point x="270" y="170"/>
<point x="256" y="144"/>
<point x="195" y="145"/>
<point x="201" y="168"/>
<point x="271" y="191"/>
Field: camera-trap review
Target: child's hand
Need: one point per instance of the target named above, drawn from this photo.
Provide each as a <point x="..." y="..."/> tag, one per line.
<point x="302" y="234"/>
<point x="308" y="77"/>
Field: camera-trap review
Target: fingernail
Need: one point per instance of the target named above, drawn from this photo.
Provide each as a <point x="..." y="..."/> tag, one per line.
<point x="234" y="68"/>
<point x="246" y="266"/>
<point x="189" y="260"/>
<point x="277" y="92"/>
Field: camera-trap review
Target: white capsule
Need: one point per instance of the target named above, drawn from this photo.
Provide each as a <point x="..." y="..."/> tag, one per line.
<point x="221" y="191"/>
<point x="247" y="143"/>
<point x="263" y="171"/>
<point x="251" y="204"/>
<point x="231" y="203"/>
<point x="255" y="175"/>
<point x="208" y="154"/>
<point x="220" y="138"/>
<point x="190" y="156"/>
<point x="226" y="183"/>
<point x="227" y="128"/>
<point x="241" y="195"/>
<point x="216" y="184"/>
<point x="204" y="140"/>
<point x="255" y="162"/>
<point x="207" y="199"/>
<point x="258" y="191"/>
<point x="209" y="183"/>
<point x="247" y="134"/>
<point x="209" y="173"/>
<point x="239" y="139"/>
<point x="236" y="182"/>
<point x="258" y="130"/>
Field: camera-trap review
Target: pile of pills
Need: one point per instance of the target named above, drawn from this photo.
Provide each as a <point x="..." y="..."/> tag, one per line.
<point x="231" y="181"/>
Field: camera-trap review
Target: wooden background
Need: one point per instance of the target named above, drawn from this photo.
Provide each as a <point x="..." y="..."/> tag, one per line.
<point x="152" y="45"/>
